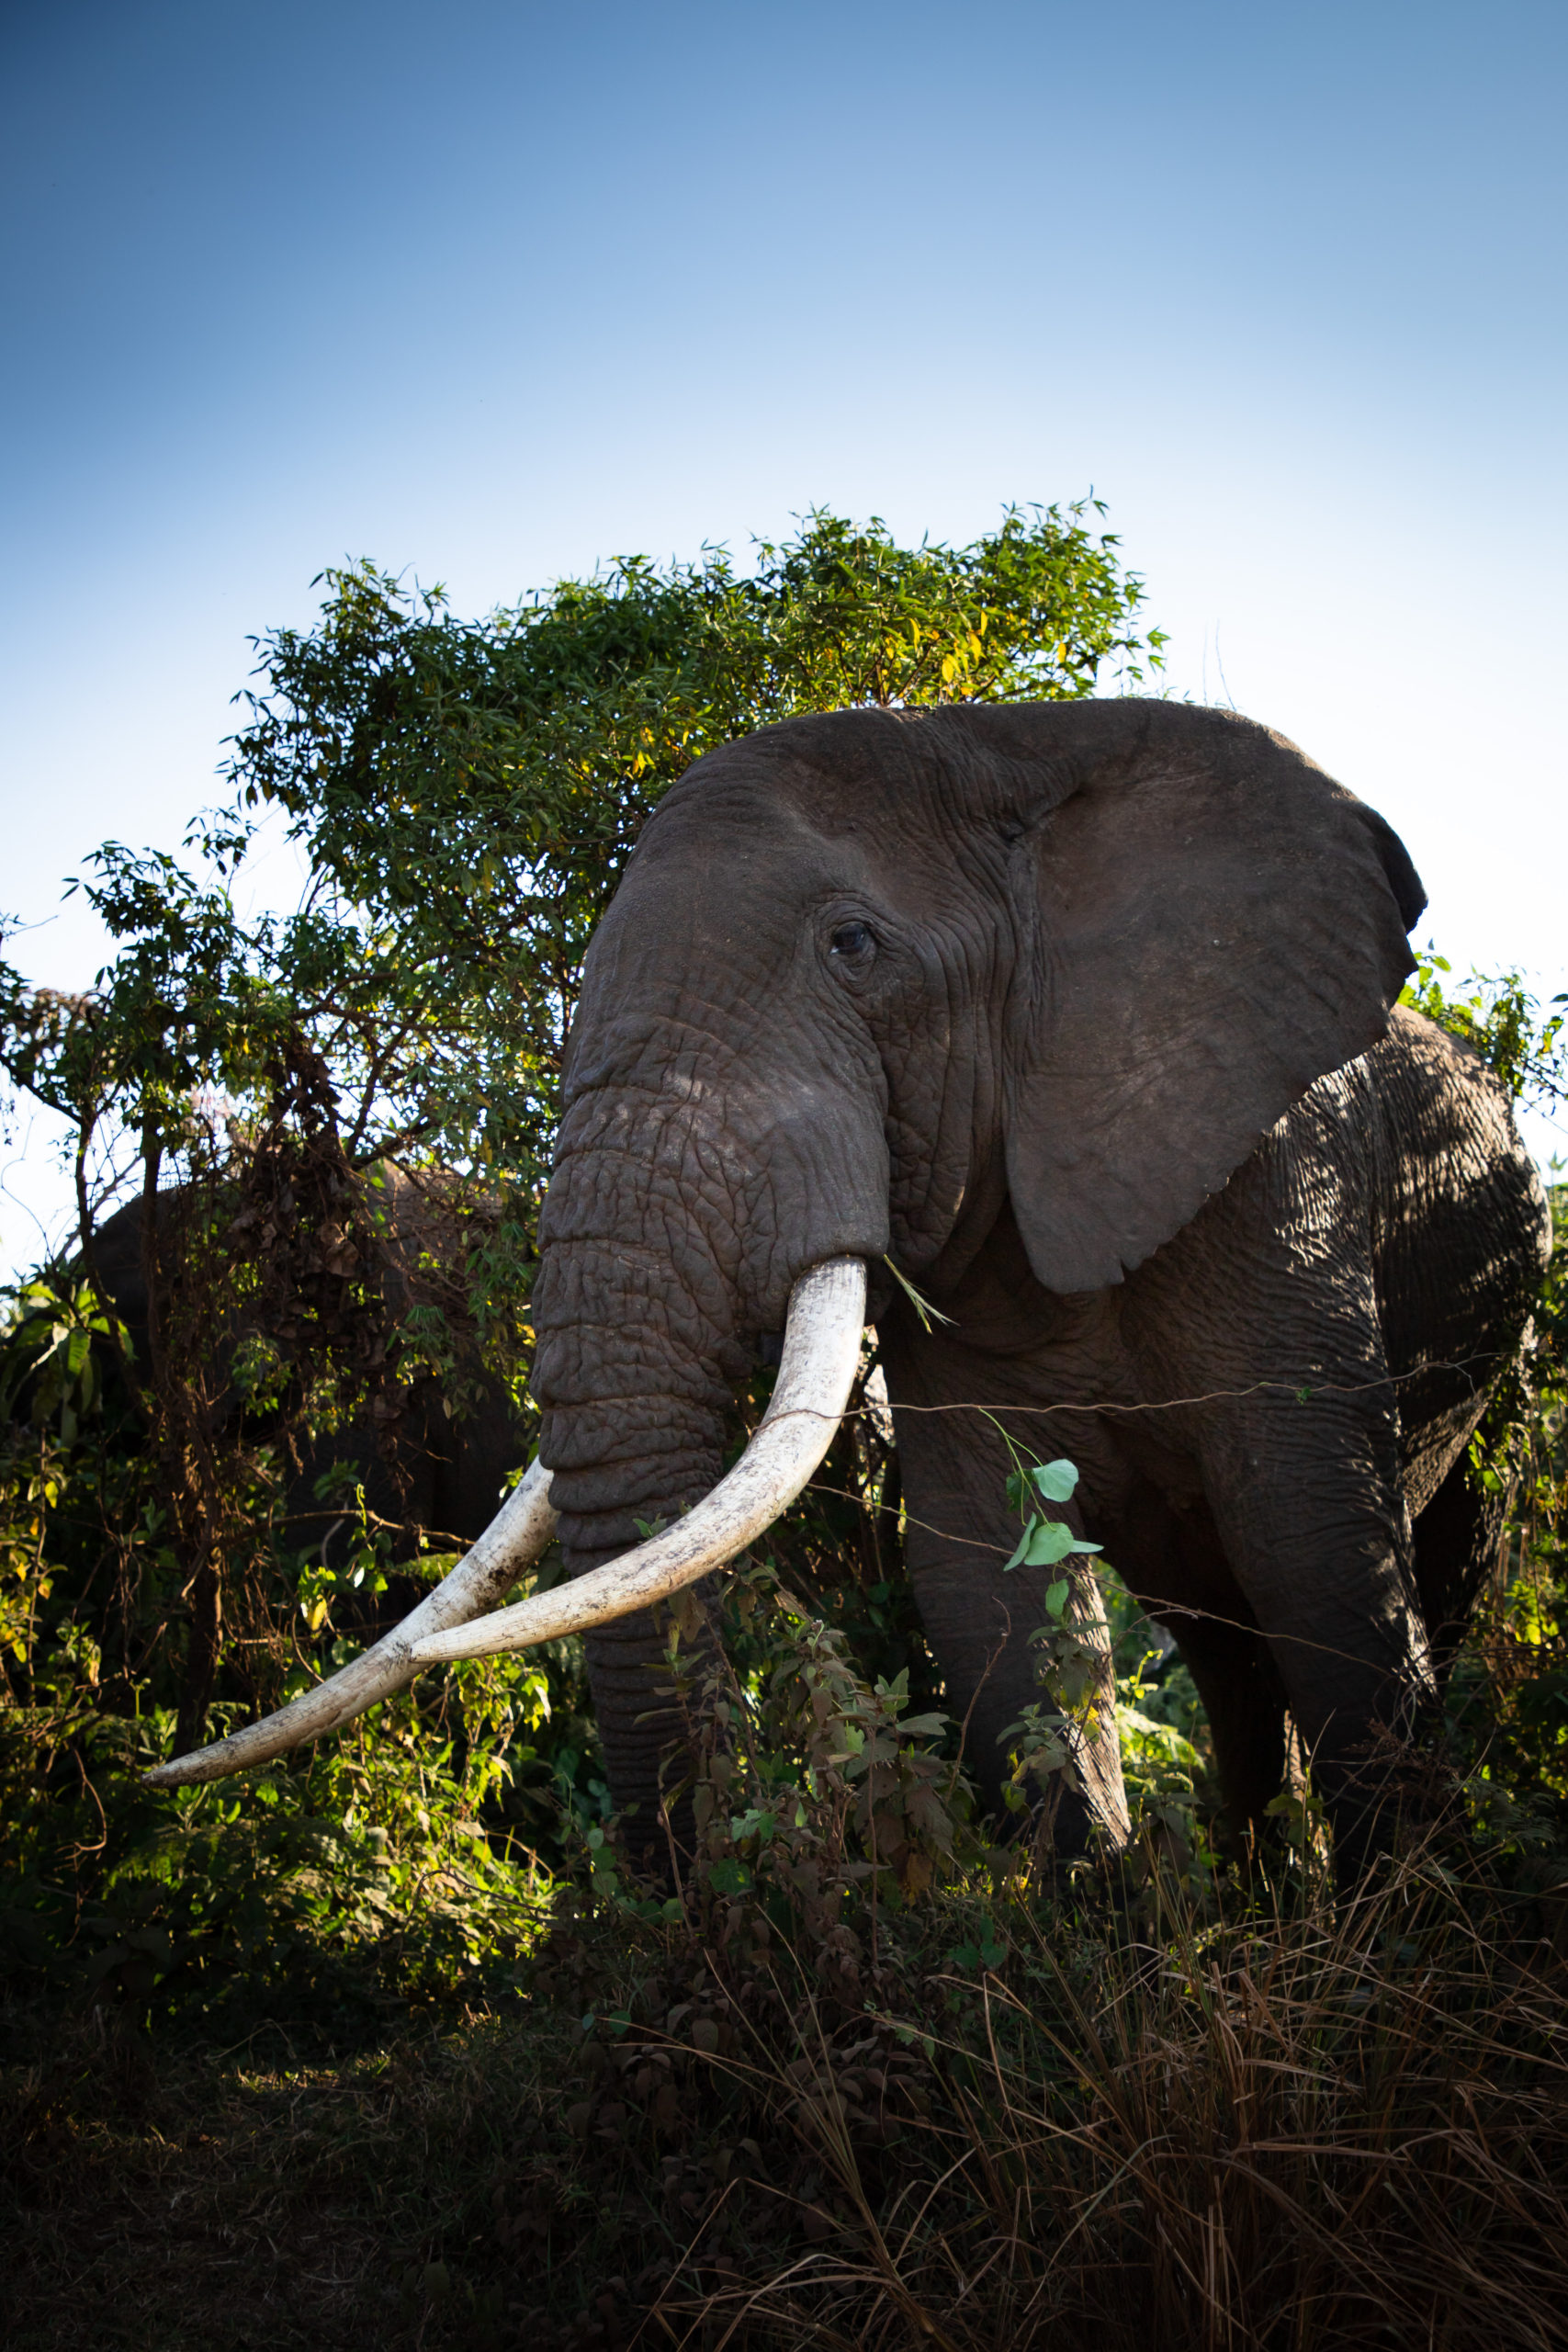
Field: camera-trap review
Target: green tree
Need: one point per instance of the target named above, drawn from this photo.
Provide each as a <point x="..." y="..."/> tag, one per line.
<point x="471" y="790"/>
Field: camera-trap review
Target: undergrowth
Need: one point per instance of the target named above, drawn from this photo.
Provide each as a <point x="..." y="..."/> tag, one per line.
<point x="389" y="2044"/>
<point x="1273" y="2122"/>
<point x="324" y="2076"/>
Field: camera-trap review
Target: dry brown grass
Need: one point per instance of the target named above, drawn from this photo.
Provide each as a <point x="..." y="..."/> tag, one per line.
<point x="1334" y="2133"/>
<point x="1340" y="2129"/>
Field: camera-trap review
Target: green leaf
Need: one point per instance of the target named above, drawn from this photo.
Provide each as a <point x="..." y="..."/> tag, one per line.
<point x="755" y="1823"/>
<point x="1044" y="1542"/>
<point x="1056" y="1481"/>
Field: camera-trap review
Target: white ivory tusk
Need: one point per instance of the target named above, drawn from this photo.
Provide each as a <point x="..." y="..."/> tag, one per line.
<point x="509" y="1544"/>
<point x="821" y="1352"/>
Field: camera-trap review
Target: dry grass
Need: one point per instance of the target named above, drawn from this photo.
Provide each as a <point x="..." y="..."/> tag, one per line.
<point x="1334" y="2133"/>
<point x="1338" y="2129"/>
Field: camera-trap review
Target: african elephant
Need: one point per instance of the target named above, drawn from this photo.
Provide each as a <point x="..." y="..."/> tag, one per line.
<point x="421" y="1468"/>
<point x="1083" y="1015"/>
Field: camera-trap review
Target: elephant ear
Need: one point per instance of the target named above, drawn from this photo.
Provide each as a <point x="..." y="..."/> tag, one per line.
<point x="1215" y="924"/>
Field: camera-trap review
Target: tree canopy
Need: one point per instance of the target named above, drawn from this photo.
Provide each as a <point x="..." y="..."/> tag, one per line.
<point x="471" y="789"/>
<point x="466" y="793"/>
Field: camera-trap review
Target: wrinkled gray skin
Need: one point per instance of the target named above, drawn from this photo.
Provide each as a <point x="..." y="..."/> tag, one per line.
<point x="1083" y="1012"/>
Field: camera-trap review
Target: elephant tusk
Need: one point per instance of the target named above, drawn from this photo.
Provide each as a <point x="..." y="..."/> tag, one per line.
<point x="821" y="1354"/>
<point x="511" y="1543"/>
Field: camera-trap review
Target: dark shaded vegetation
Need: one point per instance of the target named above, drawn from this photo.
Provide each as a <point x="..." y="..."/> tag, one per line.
<point x="383" y="2045"/>
<point x="1044" y="2112"/>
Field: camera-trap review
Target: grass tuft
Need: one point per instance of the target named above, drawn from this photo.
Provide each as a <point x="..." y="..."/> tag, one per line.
<point x="1293" y="2124"/>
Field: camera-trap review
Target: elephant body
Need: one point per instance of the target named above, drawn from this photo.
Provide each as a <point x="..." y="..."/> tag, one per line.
<point x="1270" y="1416"/>
<point x="1084" y="1014"/>
<point x="423" y="1470"/>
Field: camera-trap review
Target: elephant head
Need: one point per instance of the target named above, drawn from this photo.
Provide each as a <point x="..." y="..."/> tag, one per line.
<point x="870" y="980"/>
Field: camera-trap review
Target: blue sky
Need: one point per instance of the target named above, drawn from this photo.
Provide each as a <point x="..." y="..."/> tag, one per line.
<point x="492" y="291"/>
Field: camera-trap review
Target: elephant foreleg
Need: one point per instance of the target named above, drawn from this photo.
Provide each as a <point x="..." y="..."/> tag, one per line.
<point x="1245" y="1700"/>
<point x="979" y="1617"/>
<point x="1173" y="1560"/>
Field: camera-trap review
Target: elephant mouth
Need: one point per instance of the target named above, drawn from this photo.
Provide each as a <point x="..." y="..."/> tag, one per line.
<point x="820" y="1354"/>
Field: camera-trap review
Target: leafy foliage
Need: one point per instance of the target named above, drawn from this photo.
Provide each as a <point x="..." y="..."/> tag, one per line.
<point x="465" y="793"/>
<point x="476" y="787"/>
<point x="1523" y="1043"/>
<point x="1507" y="1699"/>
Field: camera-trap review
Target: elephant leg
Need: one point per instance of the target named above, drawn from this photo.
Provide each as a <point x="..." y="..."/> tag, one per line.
<point x="1309" y="1505"/>
<point x="1458" y="1538"/>
<point x="1245" y="1700"/>
<point x="978" y="1617"/>
<point x="1172" y="1559"/>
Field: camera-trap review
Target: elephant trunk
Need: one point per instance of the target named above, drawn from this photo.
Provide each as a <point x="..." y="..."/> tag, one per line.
<point x="636" y="1372"/>
<point x="698" y="1191"/>
<point x="633" y="1396"/>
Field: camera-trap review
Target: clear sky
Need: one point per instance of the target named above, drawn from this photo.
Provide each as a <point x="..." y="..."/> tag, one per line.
<point x="491" y="290"/>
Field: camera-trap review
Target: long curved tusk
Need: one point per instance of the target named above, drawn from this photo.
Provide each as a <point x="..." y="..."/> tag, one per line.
<point x="821" y="1352"/>
<point x="511" y="1543"/>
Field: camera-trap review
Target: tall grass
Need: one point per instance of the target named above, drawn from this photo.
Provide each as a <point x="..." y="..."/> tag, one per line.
<point x="1329" y="2127"/>
<point x="1305" y="2124"/>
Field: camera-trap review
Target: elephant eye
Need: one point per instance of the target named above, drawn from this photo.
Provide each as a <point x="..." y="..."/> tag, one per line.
<point x="852" y="939"/>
